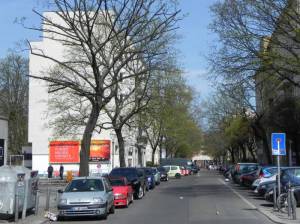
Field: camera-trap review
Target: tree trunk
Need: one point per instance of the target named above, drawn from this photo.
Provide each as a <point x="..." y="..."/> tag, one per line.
<point x="244" y="155"/>
<point x="153" y="155"/>
<point x="86" y="142"/>
<point x="121" y="147"/>
<point x="232" y="156"/>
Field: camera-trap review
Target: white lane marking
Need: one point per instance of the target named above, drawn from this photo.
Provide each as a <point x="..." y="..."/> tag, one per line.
<point x="238" y="194"/>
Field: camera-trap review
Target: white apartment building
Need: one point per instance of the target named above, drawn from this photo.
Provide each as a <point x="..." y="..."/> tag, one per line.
<point x="40" y="134"/>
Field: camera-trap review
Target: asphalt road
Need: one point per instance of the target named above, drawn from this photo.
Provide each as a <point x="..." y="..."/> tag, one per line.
<point x="195" y="199"/>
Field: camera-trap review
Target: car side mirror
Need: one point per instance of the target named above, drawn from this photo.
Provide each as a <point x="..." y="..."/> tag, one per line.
<point x="60" y="191"/>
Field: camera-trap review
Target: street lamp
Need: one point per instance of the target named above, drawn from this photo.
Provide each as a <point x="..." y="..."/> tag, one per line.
<point x="112" y="137"/>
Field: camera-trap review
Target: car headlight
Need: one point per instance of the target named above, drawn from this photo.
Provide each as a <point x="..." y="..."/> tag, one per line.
<point x="120" y="196"/>
<point x="63" y="201"/>
<point x="98" y="200"/>
<point x="149" y="178"/>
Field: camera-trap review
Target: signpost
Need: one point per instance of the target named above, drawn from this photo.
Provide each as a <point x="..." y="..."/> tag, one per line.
<point x="278" y="149"/>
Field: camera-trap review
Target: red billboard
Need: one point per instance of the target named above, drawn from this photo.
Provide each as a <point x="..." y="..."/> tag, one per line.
<point x="100" y="150"/>
<point x="64" y="151"/>
<point x="68" y="151"/>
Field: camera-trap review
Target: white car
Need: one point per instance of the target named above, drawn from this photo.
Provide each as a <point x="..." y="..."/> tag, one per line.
<point x="267" y="174"/>
<point x="173" y="171"/>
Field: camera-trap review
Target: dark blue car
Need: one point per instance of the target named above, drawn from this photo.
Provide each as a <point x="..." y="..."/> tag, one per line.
<point x="150" y="177"/>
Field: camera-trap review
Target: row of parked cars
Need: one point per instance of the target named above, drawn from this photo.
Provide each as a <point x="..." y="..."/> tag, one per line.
<point x="263" y="179"/>
<point x="99" y="195"/>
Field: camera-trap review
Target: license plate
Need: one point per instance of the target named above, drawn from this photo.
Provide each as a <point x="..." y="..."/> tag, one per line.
<point x="79" y="208"/>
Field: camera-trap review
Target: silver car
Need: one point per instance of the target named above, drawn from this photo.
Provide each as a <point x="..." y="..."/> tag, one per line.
<point x="86" y="196"/>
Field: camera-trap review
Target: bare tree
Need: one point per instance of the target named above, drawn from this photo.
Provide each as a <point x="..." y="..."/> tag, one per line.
<point x="14" y="99"/>
<point x="101" y="38"/>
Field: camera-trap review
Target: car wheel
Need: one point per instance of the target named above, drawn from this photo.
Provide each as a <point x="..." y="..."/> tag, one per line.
<point x="177" y="176"/>
<point x="104" y="216"/>
<point x="131" y="200"/>
<point x="141" y="193"/>
<point x="112" y="209"/>
<point x="127" y="202"/>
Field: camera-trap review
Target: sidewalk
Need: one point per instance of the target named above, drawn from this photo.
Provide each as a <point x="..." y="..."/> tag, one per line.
<point x="264" y="206"/>
<point x="54" y="185"/>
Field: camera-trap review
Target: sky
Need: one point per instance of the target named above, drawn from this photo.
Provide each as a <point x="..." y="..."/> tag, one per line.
<point x="193" y="46"/>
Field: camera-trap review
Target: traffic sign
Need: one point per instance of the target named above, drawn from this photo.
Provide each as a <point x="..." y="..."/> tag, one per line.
<point x="278" y="144"/>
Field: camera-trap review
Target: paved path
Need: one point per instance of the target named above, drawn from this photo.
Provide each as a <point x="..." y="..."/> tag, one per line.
<point x="190" y="200"/>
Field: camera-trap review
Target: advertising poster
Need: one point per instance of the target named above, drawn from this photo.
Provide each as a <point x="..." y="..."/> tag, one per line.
<point x="64" y="151"/>
<point x="100" y="150"/>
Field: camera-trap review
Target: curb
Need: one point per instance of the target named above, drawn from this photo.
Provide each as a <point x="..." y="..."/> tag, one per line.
<point x="267" y="214"/>
<point x="274" y="218"/>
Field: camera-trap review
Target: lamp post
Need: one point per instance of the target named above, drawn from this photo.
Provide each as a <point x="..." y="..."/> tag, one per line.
<point x="112" y="137"/>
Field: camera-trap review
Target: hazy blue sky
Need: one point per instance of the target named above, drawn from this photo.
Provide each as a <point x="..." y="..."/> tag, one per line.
<point x="193" y="46"/>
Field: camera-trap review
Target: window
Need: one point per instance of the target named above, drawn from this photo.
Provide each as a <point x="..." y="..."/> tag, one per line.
<point x="85" y="185"/>
<point x="173" y="167"/>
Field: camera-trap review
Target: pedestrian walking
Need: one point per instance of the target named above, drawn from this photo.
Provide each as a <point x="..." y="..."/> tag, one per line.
<point x="50" y="171"/>
<point x="61" y="171"/>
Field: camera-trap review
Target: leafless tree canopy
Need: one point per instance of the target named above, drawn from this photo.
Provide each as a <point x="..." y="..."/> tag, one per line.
<point x="101" y="38"/>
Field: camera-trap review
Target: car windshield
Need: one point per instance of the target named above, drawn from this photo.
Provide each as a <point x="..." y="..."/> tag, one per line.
<point x="117" y="182"/>
<point x="85" y="185"/>
<point x="129" y="173"/>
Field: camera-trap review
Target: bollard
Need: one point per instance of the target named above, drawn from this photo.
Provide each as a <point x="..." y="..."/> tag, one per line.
<point x="25" y="201"/>
<point x="294" y="204"/>
<point x="16" y="208"/>
<point x="47" y="199"/>
<point x="274" y="198"/>
<point x="37" y="198"/>
<point x="289" y="200"/>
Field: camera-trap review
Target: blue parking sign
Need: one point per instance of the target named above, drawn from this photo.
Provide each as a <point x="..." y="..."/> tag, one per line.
<point x="278" y="144"/>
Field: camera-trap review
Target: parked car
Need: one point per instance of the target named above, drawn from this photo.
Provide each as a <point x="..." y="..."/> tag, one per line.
<point x="86" y="196"/>
<point x="266" y="174"/>
<point x="291" y="175"/>
<point x="173" y="171"/>
<point x="265" y="187"/>
<point x="195" y="169"/>
<point x="246" y="179"/>
<point x="150" y="177"/>
<point x="123" y="192"/>
<point x="163" y="174"/>
<point x="135" y="176"/>
<point x="242" y="168"/>
<point x="156" y="174"/>
<point x="184" y="171"/>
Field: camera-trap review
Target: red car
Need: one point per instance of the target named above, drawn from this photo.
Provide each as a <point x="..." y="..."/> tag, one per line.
<point x="184" y="171"/>
<point x="123" y="192"/>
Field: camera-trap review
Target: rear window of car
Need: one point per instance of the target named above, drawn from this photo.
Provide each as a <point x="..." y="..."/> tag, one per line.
<point x="270" y="171"/>
<point x="85" y="185"/>
<point x="173" y="167"/>
<point x="167" y="168"/>
<point x="245" y="168"/>
<point x="161" y="169"/>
